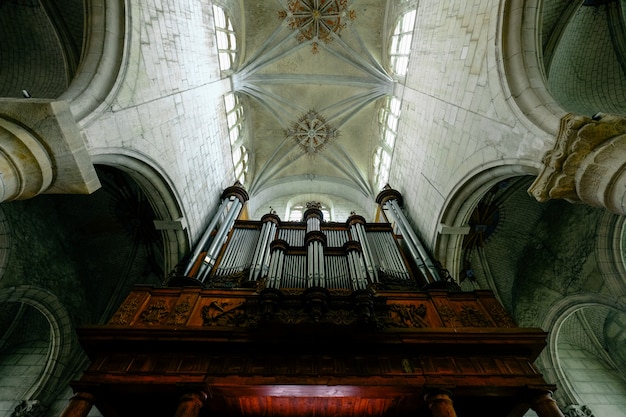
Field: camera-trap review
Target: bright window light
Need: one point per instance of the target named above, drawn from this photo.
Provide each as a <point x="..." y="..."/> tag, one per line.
<point x="388" y="119"/>
<point x="401" y="43"/>
<point x="226" y="39"/>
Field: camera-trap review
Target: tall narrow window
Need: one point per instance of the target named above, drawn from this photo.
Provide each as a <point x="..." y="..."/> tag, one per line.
<point x="226" y="39"/>
<point x="401" y="43"/>
<point x="235" y="121"/>
<point x="388" y="119"/>
<point x="240" y="160"/>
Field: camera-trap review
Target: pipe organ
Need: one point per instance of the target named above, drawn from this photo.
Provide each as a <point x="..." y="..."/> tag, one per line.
<point x="292" y="256"/>
<point x="314" y="318"/>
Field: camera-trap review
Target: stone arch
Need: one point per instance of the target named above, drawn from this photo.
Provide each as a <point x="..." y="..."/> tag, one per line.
<point x="461" y="203"/>
<point x="611" y="258"/>
<point x="63" y="356"/>
<point x="553" y="361"/>
<point x="102" y="69"/>
<point x="519" y="66"/>
<point x="5" y="243"/>
<point x="163" y="199"/>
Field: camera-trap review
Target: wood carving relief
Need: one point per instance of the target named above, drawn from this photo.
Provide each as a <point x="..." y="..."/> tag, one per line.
<point x="224" y="313"/>
<point x="155" y="311"/>
<point x="471" y="317"/>
<point x="407" y="315"/>
<point x="127" y="310"/>
<point x="180" y="313"/>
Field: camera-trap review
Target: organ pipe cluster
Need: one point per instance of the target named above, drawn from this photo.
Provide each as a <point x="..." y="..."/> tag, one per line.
<point x="308" y="254"/>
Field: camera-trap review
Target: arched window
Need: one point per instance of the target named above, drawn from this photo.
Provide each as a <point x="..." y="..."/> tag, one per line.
<point x="226" y="39"/>
<point x="388" y="118"/>
<point x="240" y="161"/>
<point x="297" y="210"/>
<point x="235" y="122"/>
<point x="400" y="46"/>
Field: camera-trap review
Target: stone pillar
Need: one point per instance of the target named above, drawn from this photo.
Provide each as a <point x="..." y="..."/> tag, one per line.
<point x="79" y="406"/>
<point x="42" y="151"/>
<point x="189" y="404"/>
<point x="587" y="164"/>
<point x="544" y="405"/>
<point x="26" y="167"/>
<point x="440" y="403"/>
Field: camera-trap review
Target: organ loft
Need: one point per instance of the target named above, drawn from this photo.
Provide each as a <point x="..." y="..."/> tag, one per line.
<point x="310" y="318"/>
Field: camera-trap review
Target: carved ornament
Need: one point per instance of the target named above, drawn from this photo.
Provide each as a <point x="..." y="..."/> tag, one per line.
<point x="224" y="313"/>
<point x="407" y="315"/>
<point x="154" y="312"/>
<point x="31" y="408"/>
<point x="126" y="311"/>
<point x="576" y="410"/>
<point x="587" y="163"/>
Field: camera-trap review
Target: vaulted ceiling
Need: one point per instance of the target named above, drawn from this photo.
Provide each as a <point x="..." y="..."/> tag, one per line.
<point x="312" y="76"/>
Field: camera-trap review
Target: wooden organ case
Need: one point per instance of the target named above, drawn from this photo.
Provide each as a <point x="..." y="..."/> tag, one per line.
<point x="310" y="318"/>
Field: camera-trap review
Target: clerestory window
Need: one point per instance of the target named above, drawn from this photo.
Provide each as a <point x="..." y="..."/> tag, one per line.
<point x="235" y="121"/>
<point x="388" y="118"/>
<point x="400" y="46"/>
<point x="226" y="39"/>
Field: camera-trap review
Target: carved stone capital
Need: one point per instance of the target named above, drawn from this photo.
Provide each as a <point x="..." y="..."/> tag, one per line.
<point x="587" y="164"/>
<point x="577" y="410"/>
<point x="31" y="408"/>
<point x="25" y="165"/>
<point x="42" y="150"/>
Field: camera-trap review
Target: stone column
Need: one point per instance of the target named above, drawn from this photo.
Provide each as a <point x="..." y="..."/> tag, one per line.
<point x="587" y="164"/>
<point x="189" y="404"/>
<point x="42" y="151"/>
<point x="440" y="403"/>
<point x="79" y="406"/>
<point x="544" y="405"/>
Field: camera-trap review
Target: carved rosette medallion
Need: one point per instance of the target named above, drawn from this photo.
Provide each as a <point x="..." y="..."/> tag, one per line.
<point x="317" y="20"/>
<point x="311" y="132"/>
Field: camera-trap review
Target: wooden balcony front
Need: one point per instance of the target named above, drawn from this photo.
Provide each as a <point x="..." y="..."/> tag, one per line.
<point x="312" y="352"/>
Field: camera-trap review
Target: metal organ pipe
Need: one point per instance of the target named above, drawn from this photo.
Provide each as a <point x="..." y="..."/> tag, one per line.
<point x="414" y="242"/>
<point x="220" y="237"/>
<point x="207" y="234"/>
<point x="358" y="232"/>
<point x="277" y="263"/>
<point x="265" y="259"/>
<point x="260" y="261"/>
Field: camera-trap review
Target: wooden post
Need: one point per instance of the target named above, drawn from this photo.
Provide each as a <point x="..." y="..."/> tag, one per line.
<point x="440" y="403"/>
<point x="544" y="405"/>
<point x="190" y="404"/>
<point x="79" y="405"/>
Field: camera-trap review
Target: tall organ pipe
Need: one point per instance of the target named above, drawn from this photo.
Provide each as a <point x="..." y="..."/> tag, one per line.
<point x="390" y="199"/>
<point x="358" y="233"/>
<point x="277" y="263"/>
<point x="260" y="262"/>
<point x="207" y="234"/>
<point x="220" y="238"/>
<point x="254" y="269"/>
<point x="415" y="240"/>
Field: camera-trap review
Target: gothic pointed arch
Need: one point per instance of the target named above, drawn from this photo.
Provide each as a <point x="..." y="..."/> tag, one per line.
<point x="169" y="220"/>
